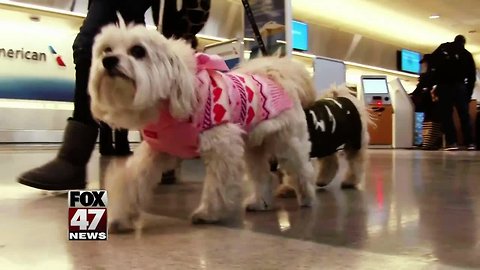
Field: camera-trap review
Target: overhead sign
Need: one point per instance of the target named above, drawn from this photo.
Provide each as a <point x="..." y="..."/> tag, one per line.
<point x="36" y="60"/>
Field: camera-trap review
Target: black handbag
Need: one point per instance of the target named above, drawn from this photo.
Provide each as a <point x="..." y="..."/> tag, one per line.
<point x="420" y="98"/>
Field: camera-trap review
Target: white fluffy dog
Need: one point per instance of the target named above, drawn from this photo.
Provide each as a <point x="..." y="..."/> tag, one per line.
<point x="337" y="120"/>
<point x="185" y="107"/>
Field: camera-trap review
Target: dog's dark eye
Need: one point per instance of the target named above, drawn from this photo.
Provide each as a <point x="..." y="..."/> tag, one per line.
<point x="138" y="51"/>
<point x="107" y="50"/>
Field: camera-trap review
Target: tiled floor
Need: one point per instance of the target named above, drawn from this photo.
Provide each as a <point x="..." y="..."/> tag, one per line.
<point x="416" y="210"/>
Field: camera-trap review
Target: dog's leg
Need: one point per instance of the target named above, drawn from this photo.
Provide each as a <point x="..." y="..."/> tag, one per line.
<point x="222" y="149"/>
<point x="356" y="168"/>
<point x="293" y="156"/>
<point x="263" y="181"/>
<point x="285" y="190"/>
<point x="131" y="184"/>
<point x="328" y="168"/>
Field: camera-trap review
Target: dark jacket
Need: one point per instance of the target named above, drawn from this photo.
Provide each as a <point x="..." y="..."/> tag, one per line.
<point x="452" y="63"/>
<point x="421" y="96"/>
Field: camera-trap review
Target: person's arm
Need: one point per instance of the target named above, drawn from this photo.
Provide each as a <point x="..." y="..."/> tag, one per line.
<point x="470" y="74"/>
<point x="433" y="63"/>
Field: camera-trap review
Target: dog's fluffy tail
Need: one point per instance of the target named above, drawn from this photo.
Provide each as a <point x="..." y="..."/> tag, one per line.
<point x="366" y="115"/>
<point x="305" y="88"/>
<point x="291" y="75"/>
<point x="337" y="91"/>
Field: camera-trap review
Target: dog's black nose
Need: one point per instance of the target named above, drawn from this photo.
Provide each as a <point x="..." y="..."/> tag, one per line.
<point x="110" y="62"/>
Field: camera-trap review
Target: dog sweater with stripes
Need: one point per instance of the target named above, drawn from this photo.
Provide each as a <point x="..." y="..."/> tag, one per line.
<point x="332" y="123"/>
<point x="224" y="97"/>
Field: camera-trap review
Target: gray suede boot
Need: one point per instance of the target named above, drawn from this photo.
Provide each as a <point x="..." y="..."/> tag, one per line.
<point x="68" y="169"/>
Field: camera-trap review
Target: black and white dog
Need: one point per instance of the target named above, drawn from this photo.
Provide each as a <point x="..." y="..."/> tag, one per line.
<point x="336" y="121"/>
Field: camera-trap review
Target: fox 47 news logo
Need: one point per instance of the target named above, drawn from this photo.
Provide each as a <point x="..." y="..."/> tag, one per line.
<point x="87" y="215"/>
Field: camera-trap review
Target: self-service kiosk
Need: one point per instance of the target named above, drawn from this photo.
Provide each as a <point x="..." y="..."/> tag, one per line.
<point x="376" y="95"/>
<point x="403" y="116"/>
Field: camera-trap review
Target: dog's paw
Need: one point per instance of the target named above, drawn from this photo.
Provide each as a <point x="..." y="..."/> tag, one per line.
<point x="306" y="195"/>
<point x="258" y="204"/>
<point x="348" y="186"/>
<point x="306" y="201"/>
<point x="285" y="191"/>
<point x="321" y="185"/>
<point x="121" y="226"/>
<point x="202" y="216"/>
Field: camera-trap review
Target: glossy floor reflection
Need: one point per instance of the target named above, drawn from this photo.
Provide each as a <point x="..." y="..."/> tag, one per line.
<point x="416" y="210"/>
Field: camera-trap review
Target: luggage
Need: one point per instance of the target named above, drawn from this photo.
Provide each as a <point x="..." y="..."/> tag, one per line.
<point x="432" y="135"/>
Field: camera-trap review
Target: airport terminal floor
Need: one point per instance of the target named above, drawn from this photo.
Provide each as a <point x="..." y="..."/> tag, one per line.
<point x="415" y="210"/>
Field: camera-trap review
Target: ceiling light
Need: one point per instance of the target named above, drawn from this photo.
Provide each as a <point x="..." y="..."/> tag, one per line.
<point x="34" y="18"/>
<point x="434" y="16"/>
<point x="377" y="22"/>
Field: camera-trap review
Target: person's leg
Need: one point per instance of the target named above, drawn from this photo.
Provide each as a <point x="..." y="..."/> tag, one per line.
<point x="68" y="169"/>
<point x="122" y="145"/>
<point x="461" y="104"/>
<point x="184" y="23"/>
<point x="445" y="100"/>
<point x="106" y="140"/>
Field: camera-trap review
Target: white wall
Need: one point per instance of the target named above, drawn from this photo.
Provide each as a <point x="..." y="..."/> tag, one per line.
<point x="476" y="91"/>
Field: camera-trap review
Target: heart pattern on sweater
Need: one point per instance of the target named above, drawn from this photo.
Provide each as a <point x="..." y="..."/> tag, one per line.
<point x="250" y="115"/>
<point x="217" y="93"/>
<point x="218" y="113"/>
<point x="250" y="94"/>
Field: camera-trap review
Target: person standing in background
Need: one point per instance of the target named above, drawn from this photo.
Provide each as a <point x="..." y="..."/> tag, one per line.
<point x="426" y="102"/>
<point x="454" y="75"/>
<point x="68" y="169"/>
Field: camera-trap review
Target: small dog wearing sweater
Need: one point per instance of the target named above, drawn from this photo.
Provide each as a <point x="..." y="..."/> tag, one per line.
<point x="337" y="120"/>
<point x="188" y="105"/>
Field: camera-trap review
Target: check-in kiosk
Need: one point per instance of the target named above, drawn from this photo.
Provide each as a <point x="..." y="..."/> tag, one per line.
<point x="376" y="95"/>
<point x="403" y="116"/>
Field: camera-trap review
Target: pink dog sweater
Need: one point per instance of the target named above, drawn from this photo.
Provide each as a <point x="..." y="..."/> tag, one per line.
<point x="231" y="97"/>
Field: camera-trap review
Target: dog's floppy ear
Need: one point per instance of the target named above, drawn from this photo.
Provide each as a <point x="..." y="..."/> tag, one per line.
<point x="183" y="98"/>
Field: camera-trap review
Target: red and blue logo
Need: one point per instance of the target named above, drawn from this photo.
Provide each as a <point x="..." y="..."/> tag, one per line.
<point x="58" y="58"/>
